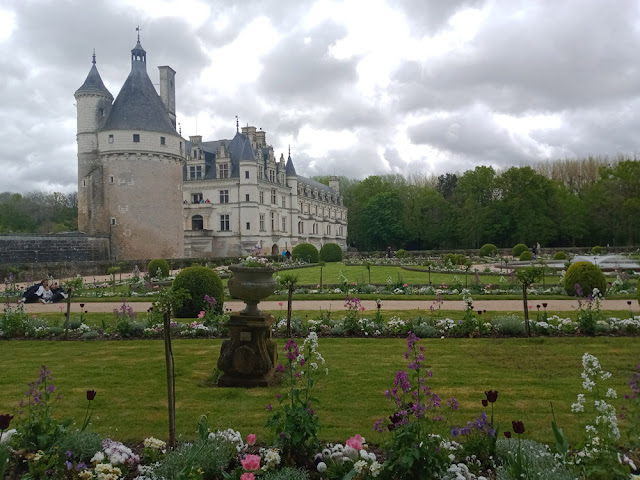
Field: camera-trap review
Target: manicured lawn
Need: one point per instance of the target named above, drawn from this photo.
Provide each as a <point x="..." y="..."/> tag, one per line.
<point x="130" y="379"/>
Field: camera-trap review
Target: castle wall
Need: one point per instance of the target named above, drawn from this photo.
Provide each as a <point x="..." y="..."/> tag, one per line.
<point x="17" y="249"/>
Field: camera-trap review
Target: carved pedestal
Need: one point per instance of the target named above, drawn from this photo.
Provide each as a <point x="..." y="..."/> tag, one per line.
<point x="248" y="358"/>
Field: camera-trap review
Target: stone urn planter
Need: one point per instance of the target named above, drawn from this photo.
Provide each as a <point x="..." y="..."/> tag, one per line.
<point x="248" y="358"/>
<point x="251" y="284"/>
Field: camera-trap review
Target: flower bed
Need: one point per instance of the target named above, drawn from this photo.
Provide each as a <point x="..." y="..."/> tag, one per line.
<point x="417" y="438"/>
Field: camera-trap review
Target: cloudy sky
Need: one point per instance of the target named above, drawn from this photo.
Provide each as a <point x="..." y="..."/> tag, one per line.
<point x="356" y="88"/>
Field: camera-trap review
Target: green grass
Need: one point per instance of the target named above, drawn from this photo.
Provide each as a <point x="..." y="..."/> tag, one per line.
<point x="129" y="377"/>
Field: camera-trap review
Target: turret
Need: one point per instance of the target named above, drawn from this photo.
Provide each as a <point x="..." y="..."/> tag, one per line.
<point x="93" y="102"/>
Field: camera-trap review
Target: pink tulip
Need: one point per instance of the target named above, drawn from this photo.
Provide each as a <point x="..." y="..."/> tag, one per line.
<point x="355" y="442"/>
<point x="251" y="439"/>
<point x="202" y="314"/>
<point x="247" y="476"/>
<point x="251" y="462"/>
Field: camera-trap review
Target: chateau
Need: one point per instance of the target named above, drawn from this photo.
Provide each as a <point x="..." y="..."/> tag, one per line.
<point x="156" y="195"/>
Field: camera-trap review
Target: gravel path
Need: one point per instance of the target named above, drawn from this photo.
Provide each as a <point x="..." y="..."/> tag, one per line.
<point x="337" y="305"/>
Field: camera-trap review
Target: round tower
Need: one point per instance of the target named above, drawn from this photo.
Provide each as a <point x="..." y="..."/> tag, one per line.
<point x="134" y="189"/>
<point x="93" y="103"/>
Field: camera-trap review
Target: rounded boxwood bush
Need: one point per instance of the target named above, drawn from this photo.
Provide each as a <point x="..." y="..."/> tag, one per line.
<point x="331" y="252"/>
<point x="488" y="250"/>
<point x="518" y="249"/>
<point x="597" y="250"/>
<point x="402" y="253"/>
<point x="305" y="252"/>
<point x="454" y="258"/>
<point x="198" y="281"/>
<point x="158" y="263"/>
<point x="560" y="256"/>
<point x="587" y="275"/>
<point x="526" y="255"/>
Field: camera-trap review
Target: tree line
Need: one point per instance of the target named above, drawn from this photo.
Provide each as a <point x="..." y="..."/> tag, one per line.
<point x="584" y="202"/>
<point x="38" y="212"/>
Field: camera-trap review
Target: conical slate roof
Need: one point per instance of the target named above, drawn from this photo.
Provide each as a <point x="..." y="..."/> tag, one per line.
<point x="240" y="149"/>
<point x="138" y="105"/>
<point x="290" y="170"/>
<point x="93" y="85"/>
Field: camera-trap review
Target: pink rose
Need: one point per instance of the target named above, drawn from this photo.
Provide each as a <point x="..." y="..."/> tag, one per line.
<point x="202" y="314"/>
<point x="251" y="439"/>
<point x="251" y="462"/>
<point x="355" y="442"/>
<point x="248" y="476"/>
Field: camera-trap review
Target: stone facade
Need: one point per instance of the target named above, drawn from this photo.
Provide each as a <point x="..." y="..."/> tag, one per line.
<point x="238" y="199"/>
<point x="155" y="195"/>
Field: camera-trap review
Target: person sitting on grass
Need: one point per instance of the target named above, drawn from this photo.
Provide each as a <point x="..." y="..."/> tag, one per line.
<point x="41" y="292"/>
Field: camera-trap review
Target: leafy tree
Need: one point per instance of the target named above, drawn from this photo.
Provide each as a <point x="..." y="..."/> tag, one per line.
<point x="447" y="184"/>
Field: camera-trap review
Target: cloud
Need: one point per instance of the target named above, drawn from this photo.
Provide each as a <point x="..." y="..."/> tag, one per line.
<point x="356" y="88"/>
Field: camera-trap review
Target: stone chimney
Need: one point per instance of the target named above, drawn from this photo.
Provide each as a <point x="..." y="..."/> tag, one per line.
<point x="168" y="91"/>
<point x="334" y="183"/>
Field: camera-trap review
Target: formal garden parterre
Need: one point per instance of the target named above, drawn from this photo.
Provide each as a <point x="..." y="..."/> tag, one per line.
<point x="421" y="435"/>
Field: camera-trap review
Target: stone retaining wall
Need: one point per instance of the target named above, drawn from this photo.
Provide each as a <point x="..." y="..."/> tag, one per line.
<point x="38" y="249"/>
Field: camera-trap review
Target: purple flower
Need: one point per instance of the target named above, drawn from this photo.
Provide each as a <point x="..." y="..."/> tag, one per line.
<point x="269" y="407"/>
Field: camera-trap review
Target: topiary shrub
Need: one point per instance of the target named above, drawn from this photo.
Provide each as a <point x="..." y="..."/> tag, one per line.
<point x="638" y="291"/>
<point x="587" y="275"/>
<point x="597" y="250"/>
<point x="158" y="263"/>
<point x="454" y="259"/>
<point x="526" y="256"/>
<point x="198" y="281"/>
<point x="331" y="252"/>
<point x="560" y="256"/>
<point x="518" y="249"/>
<point x="488" y="250"/>
<point x="402" y="253"/>
<point x="305" y="252"/>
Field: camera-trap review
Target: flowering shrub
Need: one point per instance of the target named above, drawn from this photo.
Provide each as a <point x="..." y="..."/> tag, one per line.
<point x="295" y="424"/>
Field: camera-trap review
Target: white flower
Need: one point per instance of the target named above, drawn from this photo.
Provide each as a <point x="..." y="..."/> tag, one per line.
<point x="322" y="467"/>
<point x="360" y="466"/>
<point x="375" y="469"/>
<point x="97" y="458"/>
<point x="611" y="393"/>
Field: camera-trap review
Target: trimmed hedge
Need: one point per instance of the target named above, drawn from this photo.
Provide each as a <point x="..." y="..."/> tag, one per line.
<point x="560" y="256"/>
<point x="198" y="281"/>
<point x="587" y="275"/>
<point x="402" y="253"/>
<point x="305" y="252"/>
<point x="488" y="250"/>
<point x="526" y="255"/>
<point x="597" y="250"/>
<point x="331" y="252"/>
<point x="158" y="263"/>
<point x="518" y="249"/>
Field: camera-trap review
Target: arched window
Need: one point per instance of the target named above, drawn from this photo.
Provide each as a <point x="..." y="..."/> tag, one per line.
<point x="197" y="222"/>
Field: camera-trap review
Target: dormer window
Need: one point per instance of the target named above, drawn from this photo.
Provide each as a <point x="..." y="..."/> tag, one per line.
<point x="223" y="171"/>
